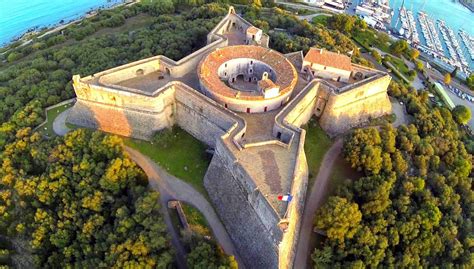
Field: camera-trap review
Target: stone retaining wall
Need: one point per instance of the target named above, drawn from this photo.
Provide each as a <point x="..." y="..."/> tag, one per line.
<point x="232" y="200"/>
<point x="351" y="108"/>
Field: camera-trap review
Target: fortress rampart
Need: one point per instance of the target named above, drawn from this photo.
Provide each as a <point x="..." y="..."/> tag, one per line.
<point x="352" y="107"/>
<point x="257" y="156"/>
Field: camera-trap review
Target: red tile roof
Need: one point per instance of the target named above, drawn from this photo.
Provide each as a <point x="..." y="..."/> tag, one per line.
<point x="266" y="84"/>
<point x="252" y="30"/>
<point x="286" y="75"/>
<point x="328" y="58"/>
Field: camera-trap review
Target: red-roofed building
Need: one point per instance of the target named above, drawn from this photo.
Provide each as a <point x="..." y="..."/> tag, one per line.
<point x="327" y="64"/>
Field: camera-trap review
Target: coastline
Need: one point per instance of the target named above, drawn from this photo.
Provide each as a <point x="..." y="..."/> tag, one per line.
<point x="28" y="35"/>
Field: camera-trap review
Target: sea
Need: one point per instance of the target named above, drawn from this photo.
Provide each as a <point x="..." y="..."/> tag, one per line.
<point x="452" y="12"/>
<point x="19" y="16"/>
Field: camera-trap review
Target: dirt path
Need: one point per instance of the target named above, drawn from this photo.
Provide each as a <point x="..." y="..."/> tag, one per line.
<point x="313" y="202"/>
<point x="172" y="188"/>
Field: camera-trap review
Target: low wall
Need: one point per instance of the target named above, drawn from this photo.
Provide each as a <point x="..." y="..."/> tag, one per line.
<point x="199" y="117"/>
<point x="52" y="107"/>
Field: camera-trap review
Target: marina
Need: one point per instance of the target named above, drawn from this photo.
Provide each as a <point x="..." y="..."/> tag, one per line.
<point x="408" y="29"/>
<point x="455" y="51"/>
<point x="430" y="33"/>
<point x="468" y="42"/>
<point x="450" y="45"/>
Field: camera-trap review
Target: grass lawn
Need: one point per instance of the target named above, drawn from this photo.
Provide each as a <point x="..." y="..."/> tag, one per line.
<point x="369" y="38"/>
<point x="50" y="116"/>
<point x="196" y="220"/>
<point x="180" y="154"/>
<point x="316" y="145"/>
<point x="400" y="65"/>
<point x="321" y="19"/>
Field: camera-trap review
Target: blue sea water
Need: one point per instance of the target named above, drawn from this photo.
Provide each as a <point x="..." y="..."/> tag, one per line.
<point x="18" y="16"/>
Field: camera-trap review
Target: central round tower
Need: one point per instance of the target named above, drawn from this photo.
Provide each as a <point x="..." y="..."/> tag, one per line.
<point x="247" y="78"/>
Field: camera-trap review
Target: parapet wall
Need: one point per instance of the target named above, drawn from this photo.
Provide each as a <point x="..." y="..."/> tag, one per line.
<point x="201" y="117"/>
<point x="299" y="186"/>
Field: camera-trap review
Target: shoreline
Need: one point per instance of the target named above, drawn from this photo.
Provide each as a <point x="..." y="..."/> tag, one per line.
<point x="39" y="32"/>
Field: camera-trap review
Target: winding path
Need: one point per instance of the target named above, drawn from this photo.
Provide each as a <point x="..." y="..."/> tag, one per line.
<point x="59" y="123"/>
<point x="313" y="201"/>
<point x="172" y="188"/>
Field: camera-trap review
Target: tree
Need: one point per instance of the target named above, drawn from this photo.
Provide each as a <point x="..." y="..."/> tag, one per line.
<point x="69" y="218"/>
<point x="470" y="81"/>
<point x="419" y="65"/>
<point x="462" y="114"/>
<point x="376" y="56"/>
<point x="447" y="78"/>
<point x="414" y="53"/>
<point x="205" y="255"/>
<point x="398" y="47"/>
<point x="339" y="218"/>
<point x="341" y="22"/>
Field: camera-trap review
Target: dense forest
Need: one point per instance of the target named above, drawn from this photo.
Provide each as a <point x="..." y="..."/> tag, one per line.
<point x="79" y="200"/>
<point x="414" y="205"/>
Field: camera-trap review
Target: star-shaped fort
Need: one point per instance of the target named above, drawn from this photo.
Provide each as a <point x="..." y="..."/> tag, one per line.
<point x="247" y="102"/>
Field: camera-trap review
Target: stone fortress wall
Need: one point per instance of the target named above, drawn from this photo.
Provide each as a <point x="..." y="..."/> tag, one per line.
<point x="357" y="105"/>
<point x="263" y="238"/>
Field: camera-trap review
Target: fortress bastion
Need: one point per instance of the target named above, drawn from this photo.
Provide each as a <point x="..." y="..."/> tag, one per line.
<point x="247" y="102"/>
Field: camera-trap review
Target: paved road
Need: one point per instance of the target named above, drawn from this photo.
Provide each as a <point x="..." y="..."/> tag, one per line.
<point x="311" y="16"/>
<point x="59" y="123"/>
<point x="400" y="111"/>
<point x="300" y="6"/>
<point x="313" y="201"/>
<point x="172" y="188"/>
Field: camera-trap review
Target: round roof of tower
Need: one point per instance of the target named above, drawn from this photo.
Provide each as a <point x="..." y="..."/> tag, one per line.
<point x="285" y="72"/>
